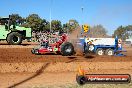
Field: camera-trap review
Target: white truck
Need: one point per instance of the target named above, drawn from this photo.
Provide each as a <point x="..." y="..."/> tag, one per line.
<point x="103" y="46"/>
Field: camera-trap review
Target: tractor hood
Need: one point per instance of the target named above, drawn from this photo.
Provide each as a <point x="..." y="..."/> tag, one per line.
<point x="22" y="28"/>
<point x="28" y="30"/>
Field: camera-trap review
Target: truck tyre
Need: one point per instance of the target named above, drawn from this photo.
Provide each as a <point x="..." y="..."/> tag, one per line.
<point x="14" y="38"/>
<point x="109" y="52"/>
<point x="67" y="49"/>
<point x="100" y="51"/>
<point x="81" y="80"/>
<point x="91" y="47"/>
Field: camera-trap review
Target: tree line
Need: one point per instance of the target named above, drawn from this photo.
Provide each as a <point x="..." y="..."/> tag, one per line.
<point x="123" y="32"/>
<point x="38" y="24"/>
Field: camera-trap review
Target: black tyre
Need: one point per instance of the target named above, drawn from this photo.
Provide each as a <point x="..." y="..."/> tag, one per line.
<point x="109" y="52"/>
<point x="58" y="53"/>
<point x="81" y="80"/>
<point x="14" y="38"/>
<point x="100" y="51"/>
<point x="67" y="49"/>
<point x="91" y="47"/>
<point x="35" y="51"/>
<point x="32" y="51"/>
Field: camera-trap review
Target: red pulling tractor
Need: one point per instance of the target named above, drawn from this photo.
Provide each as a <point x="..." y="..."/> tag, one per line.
<point x="59" y="46"/>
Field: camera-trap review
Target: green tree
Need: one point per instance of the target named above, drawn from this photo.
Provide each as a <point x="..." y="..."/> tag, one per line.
<point x="98" y="31"/>
<point x="37" y="23"/>
<point x="119" y="32"/>
<point x="71" y="25"/>
<point x="17" y="19"/>
<point x="123" y="32"/>
<point x="44" y="25"/>
<point x="34" y="21"/>
<point x="56" y="25"/>
<point x="65" y="27"/>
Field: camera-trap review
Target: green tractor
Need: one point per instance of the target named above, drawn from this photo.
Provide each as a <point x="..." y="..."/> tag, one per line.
<point x="12" y="33"/>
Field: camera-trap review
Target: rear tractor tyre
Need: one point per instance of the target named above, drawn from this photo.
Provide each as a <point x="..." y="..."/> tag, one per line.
<point x="14" y="38"/>
<point x="67" y="49"/>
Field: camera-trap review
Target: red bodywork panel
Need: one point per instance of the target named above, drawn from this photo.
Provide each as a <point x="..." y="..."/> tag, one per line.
<point x="47" y="50"/>
<point x="55" y="45"/>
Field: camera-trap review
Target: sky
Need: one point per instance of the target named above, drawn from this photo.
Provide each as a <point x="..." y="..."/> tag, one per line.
<point x="109" y="13"/>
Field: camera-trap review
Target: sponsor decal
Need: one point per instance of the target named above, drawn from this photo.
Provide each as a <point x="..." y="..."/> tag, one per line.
<point x="83" y="78"/>
<point x="108" y="78"/>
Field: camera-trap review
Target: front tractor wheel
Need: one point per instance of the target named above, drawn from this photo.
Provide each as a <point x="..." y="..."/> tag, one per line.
<point x="67" y="49"/>
<point x="14" y="38"/>
<point x="35" y="51"/>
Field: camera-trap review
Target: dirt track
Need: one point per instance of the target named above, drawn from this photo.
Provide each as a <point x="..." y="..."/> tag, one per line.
<point x="52" y="80"/>
<point x="17" y="59"/>
<point x="22" y="53"/>
<point x="25" y="55"/>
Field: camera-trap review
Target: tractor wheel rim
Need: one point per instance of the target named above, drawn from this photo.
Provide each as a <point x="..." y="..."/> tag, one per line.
<point x="100" y="52"/>
<point x="36" y="51"/>
<point x="68" y="49"/>
<point x="15" y="39"/>
<point x="110" y="53"/>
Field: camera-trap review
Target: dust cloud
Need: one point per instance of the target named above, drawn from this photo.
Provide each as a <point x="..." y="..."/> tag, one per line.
<point x="74" y="39"/>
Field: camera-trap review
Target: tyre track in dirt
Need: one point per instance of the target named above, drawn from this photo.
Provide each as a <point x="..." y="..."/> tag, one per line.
<point x="39" y="72"/>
